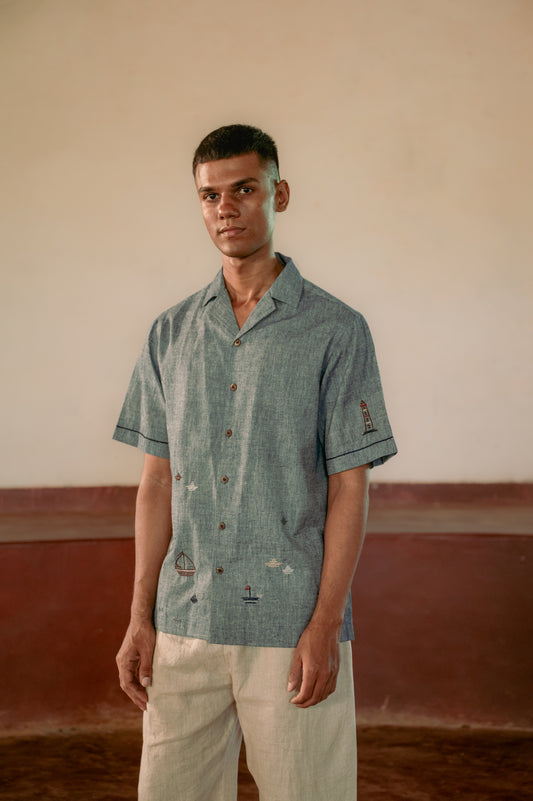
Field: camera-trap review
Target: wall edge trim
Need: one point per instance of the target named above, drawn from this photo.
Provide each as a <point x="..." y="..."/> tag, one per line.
<point x="27" y="500"/>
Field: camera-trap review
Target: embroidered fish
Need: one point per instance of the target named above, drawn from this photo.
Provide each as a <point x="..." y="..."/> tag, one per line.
<point x="288" y="569"/>
<point x="192" y="486"/>
<point x="273" y="563"/>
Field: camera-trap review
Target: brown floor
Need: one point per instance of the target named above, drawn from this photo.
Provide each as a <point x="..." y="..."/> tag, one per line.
<point x="394" y="764"/>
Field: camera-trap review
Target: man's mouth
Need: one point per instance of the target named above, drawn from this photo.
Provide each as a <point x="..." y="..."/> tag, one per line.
<point x="230" y="230"/>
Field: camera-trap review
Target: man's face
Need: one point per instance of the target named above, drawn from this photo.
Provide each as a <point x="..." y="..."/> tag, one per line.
<point x="239" y="198"/>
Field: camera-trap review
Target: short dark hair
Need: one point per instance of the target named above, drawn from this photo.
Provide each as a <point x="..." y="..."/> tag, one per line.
<point x="235" y="140"/>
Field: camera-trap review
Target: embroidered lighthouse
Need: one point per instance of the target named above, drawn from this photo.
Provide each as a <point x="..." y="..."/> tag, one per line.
<point x="369" y="425"/>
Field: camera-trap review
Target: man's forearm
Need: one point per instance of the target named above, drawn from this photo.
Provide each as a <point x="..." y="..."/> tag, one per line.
<point x="153" y="528"/>
<point x="315" y="663"/>
<point x="343" y="539"/>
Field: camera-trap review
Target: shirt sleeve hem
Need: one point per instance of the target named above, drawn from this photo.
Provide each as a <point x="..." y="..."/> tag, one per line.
<point x="373" y="455"/>
<point x="130" y="436"/>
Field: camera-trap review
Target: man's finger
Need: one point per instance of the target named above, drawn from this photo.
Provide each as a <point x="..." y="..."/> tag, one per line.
<point x="130" y="685"/>
<point x="145" y="671"/>
<point x="307" y="689"/>
<point x="295" y="674"/>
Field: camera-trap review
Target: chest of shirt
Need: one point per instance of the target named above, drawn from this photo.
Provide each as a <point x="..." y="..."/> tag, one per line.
<point x="276" y="367"/>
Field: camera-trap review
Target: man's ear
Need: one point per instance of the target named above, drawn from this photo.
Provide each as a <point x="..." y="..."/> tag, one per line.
<point x="283" y="194"/>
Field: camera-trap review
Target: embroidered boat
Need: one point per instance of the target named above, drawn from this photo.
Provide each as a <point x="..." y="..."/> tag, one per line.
<point x="273" y="563"/>
<point x="250" y="599"/>
<point x="184" y="565"/>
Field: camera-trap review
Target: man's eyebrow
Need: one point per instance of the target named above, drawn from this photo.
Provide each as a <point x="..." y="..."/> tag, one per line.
<point x="244" y="181"/>
<point x="235" y="185"/>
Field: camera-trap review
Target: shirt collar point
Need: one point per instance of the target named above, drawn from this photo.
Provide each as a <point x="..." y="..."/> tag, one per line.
<point x="214" y="289"/>
<point x="288" y="286"/>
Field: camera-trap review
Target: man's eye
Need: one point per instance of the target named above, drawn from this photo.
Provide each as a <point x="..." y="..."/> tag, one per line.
<point x="246" y="190"/>
<point x="210" y="196"/>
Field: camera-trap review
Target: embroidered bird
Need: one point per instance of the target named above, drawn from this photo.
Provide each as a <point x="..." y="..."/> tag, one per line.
<point x="192" y="486"/>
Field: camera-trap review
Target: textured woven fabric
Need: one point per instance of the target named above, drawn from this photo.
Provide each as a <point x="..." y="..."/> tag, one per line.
<point x="205" y="696"/>
<point x="253" y="422"/>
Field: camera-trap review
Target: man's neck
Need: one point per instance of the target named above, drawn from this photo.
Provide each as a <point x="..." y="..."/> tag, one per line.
<point x="247" y="280"/>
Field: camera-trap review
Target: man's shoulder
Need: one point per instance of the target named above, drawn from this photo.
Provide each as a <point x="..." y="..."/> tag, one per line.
<point x="183" y="308"/>
<point x="325" y="305"/>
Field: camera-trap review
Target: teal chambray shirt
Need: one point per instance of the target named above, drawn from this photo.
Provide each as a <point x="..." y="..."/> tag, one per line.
<point x="253" y="422"/>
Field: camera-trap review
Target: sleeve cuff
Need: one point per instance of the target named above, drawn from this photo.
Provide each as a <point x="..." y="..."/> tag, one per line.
<point x="375" y="454"/>
<point x="154" y="447"/>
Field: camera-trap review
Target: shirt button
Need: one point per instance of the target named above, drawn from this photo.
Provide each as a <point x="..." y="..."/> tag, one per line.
<point x="177" y="477"/>
<point x="229" y="432"/>
<point x="222" y="526"/>
<point x="224" y="479"/>
<point x="237" y="342"/>
<point x="233" y="387"/>
<point x="220" y="569"/>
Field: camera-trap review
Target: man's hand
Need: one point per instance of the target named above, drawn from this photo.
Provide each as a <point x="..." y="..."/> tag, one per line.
<point x="315" y="665"/>
<point x="134" y="661"/>
<point x="153" y="530"/>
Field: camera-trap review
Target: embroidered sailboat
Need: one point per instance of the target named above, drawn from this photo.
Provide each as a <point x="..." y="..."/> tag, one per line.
<point x="249" y="599"/>
<point x="184" y="565"/>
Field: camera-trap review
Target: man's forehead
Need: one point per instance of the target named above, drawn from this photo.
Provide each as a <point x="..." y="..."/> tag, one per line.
<point x="231" y="170"/>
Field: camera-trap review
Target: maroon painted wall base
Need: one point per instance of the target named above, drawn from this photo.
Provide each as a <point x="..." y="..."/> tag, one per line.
<point x="68" y="608"/>
<point x="444" y="630"/>
<point x="444" y="624"/>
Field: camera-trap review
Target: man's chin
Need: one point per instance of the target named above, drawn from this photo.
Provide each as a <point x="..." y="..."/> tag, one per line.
<point x="239" y="250"/>
<point x="234" y="251"/>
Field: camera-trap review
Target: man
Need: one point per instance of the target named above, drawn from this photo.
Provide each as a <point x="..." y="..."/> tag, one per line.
<point x="258" y="404"/>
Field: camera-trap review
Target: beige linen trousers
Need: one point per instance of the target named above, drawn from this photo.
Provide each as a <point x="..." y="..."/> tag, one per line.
<point x="205" y="697"/>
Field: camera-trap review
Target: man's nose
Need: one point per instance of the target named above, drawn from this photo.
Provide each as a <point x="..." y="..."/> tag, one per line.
<point x="227" y="206"/>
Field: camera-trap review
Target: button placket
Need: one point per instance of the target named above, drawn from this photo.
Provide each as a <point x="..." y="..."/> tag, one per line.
<point x="224" y="479"/>
<point x="228" y="433"/>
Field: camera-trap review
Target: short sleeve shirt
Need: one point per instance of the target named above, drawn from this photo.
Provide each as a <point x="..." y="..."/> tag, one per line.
<point x="253" y="420"/>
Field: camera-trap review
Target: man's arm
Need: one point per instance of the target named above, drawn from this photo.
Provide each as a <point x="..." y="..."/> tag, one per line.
<point x="153" y="528"/>
<point x="316" y="660"/>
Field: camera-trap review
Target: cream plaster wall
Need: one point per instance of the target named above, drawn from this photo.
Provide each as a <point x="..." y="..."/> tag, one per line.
<point x="405" y="130"/>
